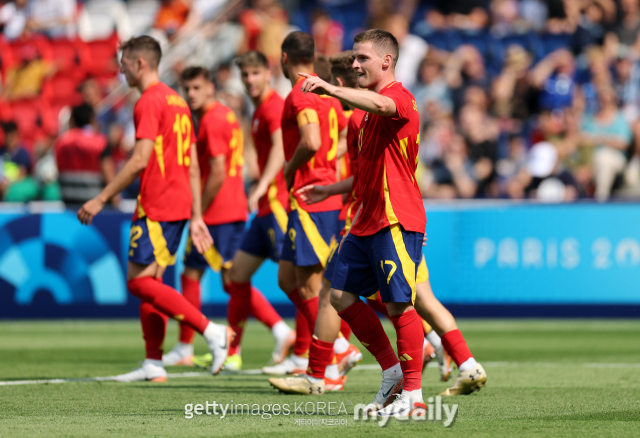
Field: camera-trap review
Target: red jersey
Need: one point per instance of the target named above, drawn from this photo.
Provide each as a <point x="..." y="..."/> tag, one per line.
<point x="220" y="133"/>
<point x="267" y="119"/>
<point x="163" y="116"/>
<point x="299" y="110"/>
<point x="387" y="161"/>
<point x="80" y="150"/>
<point x="344" y="162"/>
<point x="350" y="208"/>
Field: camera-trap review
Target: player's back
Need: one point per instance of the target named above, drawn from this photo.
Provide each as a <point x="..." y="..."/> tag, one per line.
<point x="301" y="109"/>
<point x="163" y="116"/>
<point x="219" y="134"/>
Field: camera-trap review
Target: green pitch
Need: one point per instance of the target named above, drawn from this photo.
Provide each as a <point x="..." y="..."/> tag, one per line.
<point x="545" y="378"/>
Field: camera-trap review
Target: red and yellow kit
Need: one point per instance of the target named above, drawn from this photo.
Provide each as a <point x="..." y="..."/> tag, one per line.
<point x="301" y="109"/>
<point x="267" y="119"/>
<point x="387" y="160"/>
<point x="350" y="208"/>
<point x="163" y="116"/>
<point x="220" y="133"/>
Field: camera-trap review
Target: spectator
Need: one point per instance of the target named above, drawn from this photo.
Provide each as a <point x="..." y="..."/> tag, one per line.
<point x="627" y="27"/>
<point x="609" y="133"/>
<point x="25" y="81"/>
<point x="171" y="16"/>
<point x="54" y="18"/>
<point x="17" y="184"/>
<point x="481" y="135"/>
<point x="82" y="158"/>
<point x="554" y="78"/>
<point x="451" y="176"/>
<point x="328" y="34"/>
<point x="626" y="73"/>
<point x="464" y="68"/>
<point x="412" y="50"/>
<point x="512" y="90"/>
<point x="432" y="93"/>
<point x="13" y="18"/>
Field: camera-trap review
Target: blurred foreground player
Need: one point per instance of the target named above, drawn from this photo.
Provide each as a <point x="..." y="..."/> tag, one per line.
<point x="220" y="155"/>
<point x="167" y="164"/>
<point x="383" y="249"/>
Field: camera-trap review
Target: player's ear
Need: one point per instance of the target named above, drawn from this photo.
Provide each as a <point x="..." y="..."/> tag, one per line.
<point x="340" y="81"/>
<point x="285" y="58"/>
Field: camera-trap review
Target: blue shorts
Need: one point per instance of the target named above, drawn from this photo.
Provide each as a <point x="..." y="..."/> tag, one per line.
<point x="386" y="261"/>
<point x="264" y="237"/>
<point x="152" y="241"/>
<point x="333" y="258"/>
<point x="226" y="240"/>
<point x="309" y="236"/>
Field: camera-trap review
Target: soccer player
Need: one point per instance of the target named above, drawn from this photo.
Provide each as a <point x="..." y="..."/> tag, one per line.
<point x="220" y="154"/>
<point x="311" y="146"/>
<point x="383" y="249"/>
<point x="324" y="373"/>
<point x="167" y="163"/>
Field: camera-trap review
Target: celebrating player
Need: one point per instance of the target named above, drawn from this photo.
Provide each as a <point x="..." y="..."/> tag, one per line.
<point x="167" y="164"/>
<point x="310" y="146"/>
<point x="383" y="248"/>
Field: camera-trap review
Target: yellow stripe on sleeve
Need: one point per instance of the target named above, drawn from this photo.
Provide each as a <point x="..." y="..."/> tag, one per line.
<point x="306" y="116"/>
<point x="160" y="251"/>
<point x="408" y="265"/>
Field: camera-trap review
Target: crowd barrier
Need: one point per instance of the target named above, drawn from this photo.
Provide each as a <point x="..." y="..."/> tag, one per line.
<point x="488" y="259"/>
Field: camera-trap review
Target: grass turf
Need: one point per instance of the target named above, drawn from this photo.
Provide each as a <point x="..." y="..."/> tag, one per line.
<point x="545" y="378"/>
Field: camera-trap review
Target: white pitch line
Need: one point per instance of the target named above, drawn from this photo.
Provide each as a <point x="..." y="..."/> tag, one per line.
<point x="366" y="367"/>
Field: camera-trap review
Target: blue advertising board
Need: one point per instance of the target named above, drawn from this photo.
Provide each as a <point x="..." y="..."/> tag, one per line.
<point x="488" y="259"/>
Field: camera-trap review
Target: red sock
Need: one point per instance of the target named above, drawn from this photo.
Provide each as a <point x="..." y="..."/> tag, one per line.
<point x="345" y="329"/>
<point x="378" y="306"/>
<point x="456" y="346"/>
<point x="309" y="309"/>
<point x="367" y="327"/>
<point x="191" y="292"/>
<point x="154" y="327"/>
<point x="238" y="311"/>
<point x="320" y="356"/>
<point x="168" y="301"/>
<point x="410" y="341"/>
<point x="262" y="310"/>
<point x="303" y="335"/>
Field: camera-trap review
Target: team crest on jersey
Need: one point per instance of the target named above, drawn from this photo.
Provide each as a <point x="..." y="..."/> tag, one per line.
<point x="366" y="117"/>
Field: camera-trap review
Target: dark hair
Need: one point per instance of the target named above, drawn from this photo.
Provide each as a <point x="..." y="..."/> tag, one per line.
<point x="82" y="115"/>
<point x="342" y="67"/>
<point x="383" y="42"/>
<point x="9" y="127"/>
<point x="252" y="58"/>
<point x="146" y="46"/>
<point x="299" y="47"/>
<point x="322" y="67"/>
<point x="190" y="73"/>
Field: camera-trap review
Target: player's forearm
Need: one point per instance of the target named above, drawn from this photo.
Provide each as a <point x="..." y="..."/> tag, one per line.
<point x="211" y="189"/>
<point x="344" y="186"/>
<point x="123" y="179"/>
<point x="196" y="194"/>
<point x="275" y="162"/>
<point x="301" y="156"/>
<point x="365" y="100"/>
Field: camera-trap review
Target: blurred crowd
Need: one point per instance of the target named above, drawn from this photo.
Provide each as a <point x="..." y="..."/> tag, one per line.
<point x="518" y="98"/>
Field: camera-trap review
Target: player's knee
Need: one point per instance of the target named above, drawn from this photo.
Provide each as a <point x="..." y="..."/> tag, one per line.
<point x="286" y="284"/>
